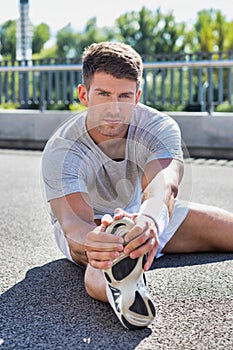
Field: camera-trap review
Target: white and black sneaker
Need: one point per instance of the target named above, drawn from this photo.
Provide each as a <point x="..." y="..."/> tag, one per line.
<point x="126" y="285"/>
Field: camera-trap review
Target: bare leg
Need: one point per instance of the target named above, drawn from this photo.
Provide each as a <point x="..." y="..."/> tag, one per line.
<point x="205" y="229"/>
<point x="95" y="283"/>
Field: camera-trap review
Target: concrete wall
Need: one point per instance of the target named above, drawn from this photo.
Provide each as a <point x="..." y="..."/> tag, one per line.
<point x="28" y="129"/>
<point x="206" y="135"/>
<point x="203" y="135"/>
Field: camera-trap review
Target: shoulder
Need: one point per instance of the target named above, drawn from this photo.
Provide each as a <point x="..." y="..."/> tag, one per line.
<point x="66" y="134"/>
<point x="148" y="117"/>
<point x="62" y="143"/>
<point x="71" y="128"/>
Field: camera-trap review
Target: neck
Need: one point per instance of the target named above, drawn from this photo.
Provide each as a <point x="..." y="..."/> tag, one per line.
<point x="113" y="148"/>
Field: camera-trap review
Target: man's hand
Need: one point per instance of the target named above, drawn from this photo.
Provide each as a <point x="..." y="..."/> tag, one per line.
<point x="141" y="239"/>
<point x="101" y="247"/>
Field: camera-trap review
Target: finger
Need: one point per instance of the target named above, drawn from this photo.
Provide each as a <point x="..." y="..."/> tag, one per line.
<point x="140" y="251"/>
<point x="103" y="256"/>
<point x="106" y="220"/>
<point x="143" y="249"/>
<point x="150" y="258"/>
<point x="119" y="213"/>
<point x="100" y="264"/>
<point x="103" y="237"/>
<point x="103" y="247"/>
<point x="137" y="236"/>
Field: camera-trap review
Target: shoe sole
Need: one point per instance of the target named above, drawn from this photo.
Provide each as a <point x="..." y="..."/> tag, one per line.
<point x="134" y="309"/>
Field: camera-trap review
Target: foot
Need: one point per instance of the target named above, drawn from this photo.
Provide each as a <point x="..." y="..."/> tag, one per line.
<point x="126" y="285"/>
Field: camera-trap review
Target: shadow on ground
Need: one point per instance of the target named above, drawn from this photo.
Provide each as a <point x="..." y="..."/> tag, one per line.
<point x="182" y="260"/>
<point x="50" y="309"/>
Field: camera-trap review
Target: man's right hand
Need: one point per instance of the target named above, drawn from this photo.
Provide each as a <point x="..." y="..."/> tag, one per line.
<point x="101" y="247"/>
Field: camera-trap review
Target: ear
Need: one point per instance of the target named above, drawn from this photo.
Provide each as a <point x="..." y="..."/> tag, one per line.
<point x="82" y="93"/>
<point x="138" y="96"/>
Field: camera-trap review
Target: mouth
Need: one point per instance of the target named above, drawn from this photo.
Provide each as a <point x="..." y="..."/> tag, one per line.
<point x="112" y="121"/>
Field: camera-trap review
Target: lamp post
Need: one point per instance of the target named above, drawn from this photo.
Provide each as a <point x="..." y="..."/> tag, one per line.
<point x="24" y="33"/>
<point x="23" y="49"/>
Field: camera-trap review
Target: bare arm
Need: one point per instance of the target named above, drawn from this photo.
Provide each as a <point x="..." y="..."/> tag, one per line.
<point x="75" y="215"/>
<point x="160" y="183"/>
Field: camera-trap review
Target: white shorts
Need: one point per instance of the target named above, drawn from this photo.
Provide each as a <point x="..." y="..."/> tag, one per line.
<point x="180" y="212"/>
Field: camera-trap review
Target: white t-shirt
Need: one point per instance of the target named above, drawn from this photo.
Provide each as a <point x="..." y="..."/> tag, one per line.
<point x="72" y="162"/>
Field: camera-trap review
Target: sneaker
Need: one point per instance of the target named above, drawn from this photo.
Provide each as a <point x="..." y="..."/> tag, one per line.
<point x="126" y="285"/>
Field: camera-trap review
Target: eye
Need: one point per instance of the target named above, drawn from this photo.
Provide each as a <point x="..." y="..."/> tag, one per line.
<point x="125" y="96"/>
<point x="104" y="93"/>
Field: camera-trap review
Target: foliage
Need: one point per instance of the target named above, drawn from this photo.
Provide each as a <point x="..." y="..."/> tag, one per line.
<point x="77" y="107"/>
<point x="41" y="34"/>
<point x="71" y="44"/>
<point x="228" y="39"/>
<point x="92" y="34"/>
<point x="155" y="35"/>
<point x="50" y="52"/>
<point x="224" y="107"/>
<point x="8" y="39"/>
<point x="57" y="106"/>
<point x="9" y="105"/>
<point x="66" y="41"/>
<point x="151" y="33"/>
<point x="74" y="107"/>
<point x="212" y="32"/>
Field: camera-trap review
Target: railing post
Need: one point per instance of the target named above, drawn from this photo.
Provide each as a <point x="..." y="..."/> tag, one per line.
<point x="220" y="82"/>
<point x="204" y="96"/>
<point x="210" y="103"/>
<point x="230" y="82"/>
<point x="154" y="87"/>
<point x="42" y="102"/>
<point x="145" y="86"/>
<point x="0" y="84"/>
<point x="181" y="91"/>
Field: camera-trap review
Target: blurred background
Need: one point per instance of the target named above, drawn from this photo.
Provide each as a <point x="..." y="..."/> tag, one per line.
<point x="48" y="33"/>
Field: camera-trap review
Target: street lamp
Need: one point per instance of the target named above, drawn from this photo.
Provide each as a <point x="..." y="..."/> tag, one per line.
<point x="24" y="33"/>
<point x="24" y="49"/>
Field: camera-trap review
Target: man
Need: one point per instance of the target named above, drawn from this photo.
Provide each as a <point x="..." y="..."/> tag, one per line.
<point x="112" y="176"/>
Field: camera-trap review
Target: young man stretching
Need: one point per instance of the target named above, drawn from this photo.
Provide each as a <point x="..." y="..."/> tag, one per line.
<point x="112" y="176"/>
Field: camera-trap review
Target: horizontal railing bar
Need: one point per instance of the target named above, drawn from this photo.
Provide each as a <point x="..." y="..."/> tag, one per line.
<point x="189" y="64"/>
<point x="42" y="68"/>
<point x="146" y="65"/>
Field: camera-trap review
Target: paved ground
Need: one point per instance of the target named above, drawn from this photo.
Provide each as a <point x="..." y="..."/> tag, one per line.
<point x="43" y="304"/>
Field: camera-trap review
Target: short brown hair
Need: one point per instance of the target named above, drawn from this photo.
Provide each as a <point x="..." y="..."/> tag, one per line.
<point x="117" y="59"/>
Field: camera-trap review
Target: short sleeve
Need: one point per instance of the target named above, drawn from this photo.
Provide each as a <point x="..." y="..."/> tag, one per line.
<point x="63" y="170"/>
<point x="165" y="140"/>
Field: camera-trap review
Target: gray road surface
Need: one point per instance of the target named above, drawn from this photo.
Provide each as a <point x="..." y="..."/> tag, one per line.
<point x="43" y="302"/>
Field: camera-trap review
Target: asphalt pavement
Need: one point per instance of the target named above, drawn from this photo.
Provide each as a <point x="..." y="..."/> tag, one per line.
<point x="43" y="304"/>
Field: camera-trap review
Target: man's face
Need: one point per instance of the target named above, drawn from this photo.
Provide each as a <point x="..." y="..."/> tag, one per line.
<point x="110" y="102"/>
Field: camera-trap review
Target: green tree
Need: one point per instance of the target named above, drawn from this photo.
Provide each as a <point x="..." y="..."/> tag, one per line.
<point x="66" y="41"/>
<point x="92" y="34"/>
<point x="211" y="31"/>
<point x="220" y="27"/>
<point x="229" y="37"/>
<point x="41" y="34"/>
<point x="72" y="44"/>
<point x="151" y="32"/>
<point x="8" y="39"/>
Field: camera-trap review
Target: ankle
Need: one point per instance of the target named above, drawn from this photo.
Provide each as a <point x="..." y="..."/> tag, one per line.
<point x="95" y="284"/>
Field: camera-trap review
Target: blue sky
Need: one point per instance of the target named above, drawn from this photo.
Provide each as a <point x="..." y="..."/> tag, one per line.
<point x="59" y="13"/>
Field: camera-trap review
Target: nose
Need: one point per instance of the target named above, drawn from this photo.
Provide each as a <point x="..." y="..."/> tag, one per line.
<point x="114" y="107"/>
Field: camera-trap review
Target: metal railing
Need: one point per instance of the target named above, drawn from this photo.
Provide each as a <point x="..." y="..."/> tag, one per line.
<point x="187" y="84"/>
